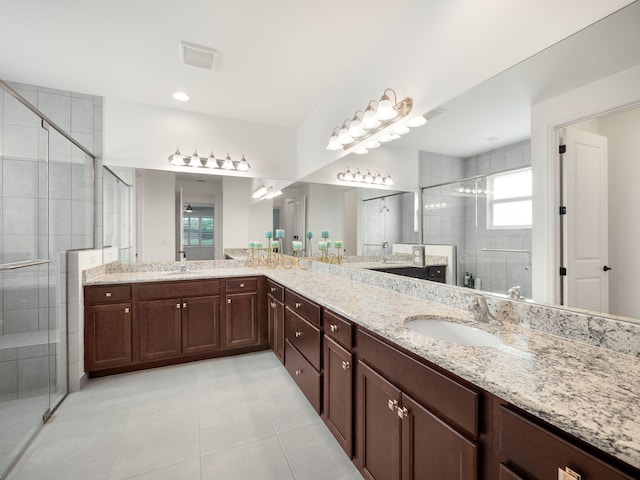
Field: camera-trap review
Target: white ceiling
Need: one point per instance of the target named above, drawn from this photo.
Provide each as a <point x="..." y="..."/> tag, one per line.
<point x="277" y="59"/>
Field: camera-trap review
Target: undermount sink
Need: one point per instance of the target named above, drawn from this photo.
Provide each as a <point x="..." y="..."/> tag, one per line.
<point x="450" y="330"/>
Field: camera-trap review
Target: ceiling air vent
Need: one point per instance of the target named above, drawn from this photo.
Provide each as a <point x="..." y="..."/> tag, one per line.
<point x="197" y="55"/>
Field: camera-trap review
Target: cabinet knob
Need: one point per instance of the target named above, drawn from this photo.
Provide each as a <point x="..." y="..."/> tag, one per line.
<point x="298" y="305"/>
<point x="334" y="328"/>
<point x="298" y="372"/>
<point x="228" y="300"/>
<point x="127" y="310"/>
<point x="298" y="334"/>
<point x="108" y="294"/>
<point x="273" y="304"/>
<point x="177" y="305"/>
<point x="184" y="305"/>
<point x="393" y="404"/>
<point x="242" y="285"/>
<point x="402" y="412"/>
<point x="273" y="289"/>
<point x="345" y="365"/>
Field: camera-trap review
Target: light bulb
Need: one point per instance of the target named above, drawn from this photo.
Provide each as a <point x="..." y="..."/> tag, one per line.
<point x="212" y="162"/>
<point x="343" y="135"/>
<point x="358" y="176"/>
<point x="176" y="158"/>
<point x="263" y="190"/>
<point x="385" y="109"/>
<point x="227" y="164"/>
<point x="369" y="119"/>
<point x="378" y="180"/>
<point x="348" y="176"/>
<point x="243" y="166"/>
<point x="334" y="143"/>
<point x="373" y="144"/>
<point x="355" y="128"/>
<point x="341" y="176"/>
<point x="181" y="96"/>
<point x="368" y="178"/>
<point x="272" y="194"/>
<point x="402" y="130"/>
<point x="387" y="180"/>
<point x="417" y="122"/>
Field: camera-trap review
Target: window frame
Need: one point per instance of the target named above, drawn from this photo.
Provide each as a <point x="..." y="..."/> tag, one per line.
<point x="491" y="201"/>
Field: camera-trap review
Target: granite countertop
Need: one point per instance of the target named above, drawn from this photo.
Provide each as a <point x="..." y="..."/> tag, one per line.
<point x="587" y="391"/>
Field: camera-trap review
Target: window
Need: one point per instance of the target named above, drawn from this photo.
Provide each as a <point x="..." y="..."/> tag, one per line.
<point x="509" y="200"/>
<point x="197" y="227"/>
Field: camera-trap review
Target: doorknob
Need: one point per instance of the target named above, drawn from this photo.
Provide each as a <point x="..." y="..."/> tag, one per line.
<point x="606" y="268"/>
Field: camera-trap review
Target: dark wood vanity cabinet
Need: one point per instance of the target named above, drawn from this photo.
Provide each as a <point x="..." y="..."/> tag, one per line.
<point x="303" y="346"/>
<point x="242" y="317"/>
<point x="535" y="451"/>
<point x="337" y="411"/>
<point x="107" y="327"/>
<point x="401" y="431"/>
<point x="275" y="318"/>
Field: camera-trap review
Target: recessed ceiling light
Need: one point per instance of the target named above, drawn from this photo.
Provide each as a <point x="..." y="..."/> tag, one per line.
<point x="181" y="96"/>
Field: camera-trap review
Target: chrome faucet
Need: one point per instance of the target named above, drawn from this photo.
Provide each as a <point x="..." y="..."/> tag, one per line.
<point x="514" y="292"/>
<point x="183" y="260"/>
<point x="480" y="311"/>
<point x="385" y="256"/>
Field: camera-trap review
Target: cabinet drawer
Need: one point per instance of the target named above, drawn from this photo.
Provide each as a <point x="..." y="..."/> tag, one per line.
<point x="507" y="474"/>
<point x="275" y="290"/>
<point x="304" y="336"/>
<point x="303" y="307"/>
<point x="437" y="272"/>
<point x="305" y="376"/>
<point x="338" y="328"/>
<point x="443" y="395"/>
<point x="540" y="452"/>
<point x="106" y="294"/>
<point x="236" y="285"/>
<point x="160" y="290"/>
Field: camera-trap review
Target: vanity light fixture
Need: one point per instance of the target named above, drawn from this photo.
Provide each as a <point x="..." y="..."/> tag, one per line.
<point x="265" y="192"/>
<point x="367" y="177"/>
<point x="211" y="161"/>
<point x="382" y="121"/>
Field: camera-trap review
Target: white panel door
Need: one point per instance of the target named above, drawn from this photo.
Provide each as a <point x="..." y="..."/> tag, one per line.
<point x="586" y="222"/>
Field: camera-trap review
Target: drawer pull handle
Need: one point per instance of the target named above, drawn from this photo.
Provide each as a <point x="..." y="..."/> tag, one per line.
<point x="298" y="305"/>
<point x="228" y="300"/>
<point x="402" y="412"/>
<point x="184" y="305"/>
<point x="298" y="334"/>
<point x="242" y="285"/>
<point x="298" y="372"/>
<point x="393" y="405"/>
<point x="334" y="328"/>
<point x="567" y="474"/>
<point x="273" y="289"/>
<point x="127" y="310"/>
<point x="177" y="305"/>
<point x="345" y="365"/>
<point x="273" y="304"/>
<point x="108" y="294"/>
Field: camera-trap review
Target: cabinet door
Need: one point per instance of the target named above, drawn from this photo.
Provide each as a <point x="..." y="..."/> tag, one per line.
<point x="107" y="336"/>
<point x="200" y="324"/>
<point x="431" y="449"/>
<point x="276" y="327"/>
<point x="378" y="434"/>
<point x="338" y="394"/>
<point x="159" y="329"/>
<point x="241" y="320"/>
<point x="507" y="474"/>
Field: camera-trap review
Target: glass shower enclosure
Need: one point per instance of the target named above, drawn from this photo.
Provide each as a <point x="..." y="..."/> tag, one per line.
<point x="45" y="176"/>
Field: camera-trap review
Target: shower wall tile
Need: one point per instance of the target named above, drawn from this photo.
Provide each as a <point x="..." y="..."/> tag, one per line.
<point x="82" y="115"/>
<point x="20" y="142"/>
<point x="60" y="180"/>
<point x="33" y="375"/>
<point x="57" y="108"/>
<point x="20" y="178"/>
<point x="60" y="218"/>
<point x="19" y="215"/>
<point x="8" y="354"/>
<point x="59" y="147"/>
<point x="8" y="380"/>
<point x="31" y="351"/>
<point x="81" y="217"/>
<point x="20" y="321"/>
<point x="19" y="247"/>
<point x="15" y="113"/>
<point x="498" y="160"/>
<point x="82" y="182"/>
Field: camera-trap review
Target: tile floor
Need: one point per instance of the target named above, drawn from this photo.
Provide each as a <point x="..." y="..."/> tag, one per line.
<point x="231" y="418"/>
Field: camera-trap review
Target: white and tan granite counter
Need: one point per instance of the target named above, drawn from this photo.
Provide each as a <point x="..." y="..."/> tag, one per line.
<point x="587" y="391"/>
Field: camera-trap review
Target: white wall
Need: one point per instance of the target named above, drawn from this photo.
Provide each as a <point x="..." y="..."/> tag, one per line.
<point x="260" y="220"/>
<point x="324" y="212"/>
<point x="582" y="103"/>
<point x="157" y="216"/>
<point x="143" y="136"/>
<point x="623" y="131"/>
<point x="351" y="202"/>
<point x="236" y="199"/>
<point x="416" y="63"/>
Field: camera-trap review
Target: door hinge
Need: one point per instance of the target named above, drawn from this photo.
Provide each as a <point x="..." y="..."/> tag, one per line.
<point x="563" y="210"/>
<point x="563" y="271"/>
<point x="562" y="149"/>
